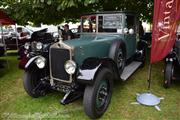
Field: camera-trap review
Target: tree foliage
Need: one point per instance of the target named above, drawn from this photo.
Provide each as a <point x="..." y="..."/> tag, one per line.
<point x="57" y="11"/>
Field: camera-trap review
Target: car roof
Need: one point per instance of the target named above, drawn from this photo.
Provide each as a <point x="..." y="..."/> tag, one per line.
<point x="109" y="12"/>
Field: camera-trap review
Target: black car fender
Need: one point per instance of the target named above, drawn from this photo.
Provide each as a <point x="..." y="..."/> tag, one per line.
<point x="90" y="68"/>
<point x="31" y="62"/>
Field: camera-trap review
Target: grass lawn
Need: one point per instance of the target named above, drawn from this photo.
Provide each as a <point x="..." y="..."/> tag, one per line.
<point x="15" y="104"/>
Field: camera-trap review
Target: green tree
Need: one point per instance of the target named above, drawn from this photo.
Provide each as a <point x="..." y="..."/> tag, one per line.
<point x="57" y="11"/>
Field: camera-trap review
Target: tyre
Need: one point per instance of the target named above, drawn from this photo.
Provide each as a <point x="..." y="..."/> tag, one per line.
<point x="97" y="96"/>
<point x="32" y="83"/>
<point x="168" y="74"/>
<point x="117" y="52"/>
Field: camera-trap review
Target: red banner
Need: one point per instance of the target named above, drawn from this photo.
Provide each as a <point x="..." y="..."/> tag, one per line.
<point x="166" y="16"/>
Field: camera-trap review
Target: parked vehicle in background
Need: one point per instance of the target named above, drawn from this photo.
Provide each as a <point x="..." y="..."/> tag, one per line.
<point x="108" y="49"/>
<point x="13" y="42"/>
<point x="76" y="32"/>
<point x="4" y="34"/>
<point x="172" y="64"/>
<point x="38" y="44"/>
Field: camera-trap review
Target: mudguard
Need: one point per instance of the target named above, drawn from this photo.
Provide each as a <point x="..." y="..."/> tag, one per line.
<point x="88" y="71"/>
<point x="115" y="46"/>
<point x="31" y="62"/>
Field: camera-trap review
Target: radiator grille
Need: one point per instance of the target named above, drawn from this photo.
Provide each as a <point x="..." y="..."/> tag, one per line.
<point x="58" y="58"/>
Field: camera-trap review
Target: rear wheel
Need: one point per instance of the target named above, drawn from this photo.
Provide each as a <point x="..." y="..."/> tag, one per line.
<point x="168" y="74"/>
<point x="33" y="84"/>
<point x="97" y="96"/>
<point x="120" y="59"/>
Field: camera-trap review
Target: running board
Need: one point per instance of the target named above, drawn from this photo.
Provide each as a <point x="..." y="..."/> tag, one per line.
<point x="130" y="69"/>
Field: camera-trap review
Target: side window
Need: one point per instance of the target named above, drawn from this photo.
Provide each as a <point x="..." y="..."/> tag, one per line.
<point x="130" y="22"/>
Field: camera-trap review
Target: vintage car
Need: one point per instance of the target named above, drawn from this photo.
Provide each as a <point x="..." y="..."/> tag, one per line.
<point x="13" y="42"/>
<point x="4" y="34"/>
<point x="172" y="64"/>
<point x="38" y="38"/>
<point x="108" y="49"/>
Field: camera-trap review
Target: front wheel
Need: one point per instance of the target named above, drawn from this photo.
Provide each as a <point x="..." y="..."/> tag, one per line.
<point x="33" y="84"/>
<point x="168" y="74"/>
<point x="97" y="96"/>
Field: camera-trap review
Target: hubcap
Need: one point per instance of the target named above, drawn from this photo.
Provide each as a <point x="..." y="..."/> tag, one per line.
<point x="102" y="94"/>
<point x="120" y="59"/>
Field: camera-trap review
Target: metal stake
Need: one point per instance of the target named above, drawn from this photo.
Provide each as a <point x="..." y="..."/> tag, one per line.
<point x="149" y="76"/>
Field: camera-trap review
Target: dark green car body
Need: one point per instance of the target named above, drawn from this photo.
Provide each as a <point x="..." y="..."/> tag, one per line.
<point x="98" y="44"/>
<point x="87" y="66"/>
<point x="91" y="46"/>
<point x="101" y="34"/>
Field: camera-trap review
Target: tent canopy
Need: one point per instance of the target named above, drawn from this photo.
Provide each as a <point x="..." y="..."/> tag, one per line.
<point x="5" y="19"/>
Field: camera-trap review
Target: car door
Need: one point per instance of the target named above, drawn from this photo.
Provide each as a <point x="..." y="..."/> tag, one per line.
<point x="130" y="37"/>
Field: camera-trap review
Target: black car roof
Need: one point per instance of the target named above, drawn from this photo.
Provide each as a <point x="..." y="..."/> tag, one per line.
<point x="109" y="12"/>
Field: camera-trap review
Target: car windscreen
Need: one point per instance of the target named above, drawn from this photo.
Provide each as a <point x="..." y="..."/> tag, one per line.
<point x="88" y="24"/>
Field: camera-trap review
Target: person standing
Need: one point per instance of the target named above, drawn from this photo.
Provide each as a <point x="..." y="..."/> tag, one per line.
<point x="67" y="34"/>
<point x="141" y="29"/>
<point x="21" y="35"/>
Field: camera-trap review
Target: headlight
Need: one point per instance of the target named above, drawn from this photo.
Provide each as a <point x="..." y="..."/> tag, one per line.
<point x="40" y="62"/>
<point x="26" y="46"/>
<point x="126" y="30"/>
<point x="39" y="45"/>
<point x="70" y="67"/>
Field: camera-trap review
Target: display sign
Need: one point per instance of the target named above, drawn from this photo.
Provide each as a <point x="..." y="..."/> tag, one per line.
<point x="112" y="21"/>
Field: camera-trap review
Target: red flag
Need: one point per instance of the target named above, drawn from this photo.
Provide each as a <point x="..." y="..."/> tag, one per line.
<point x="166" y="16"/>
